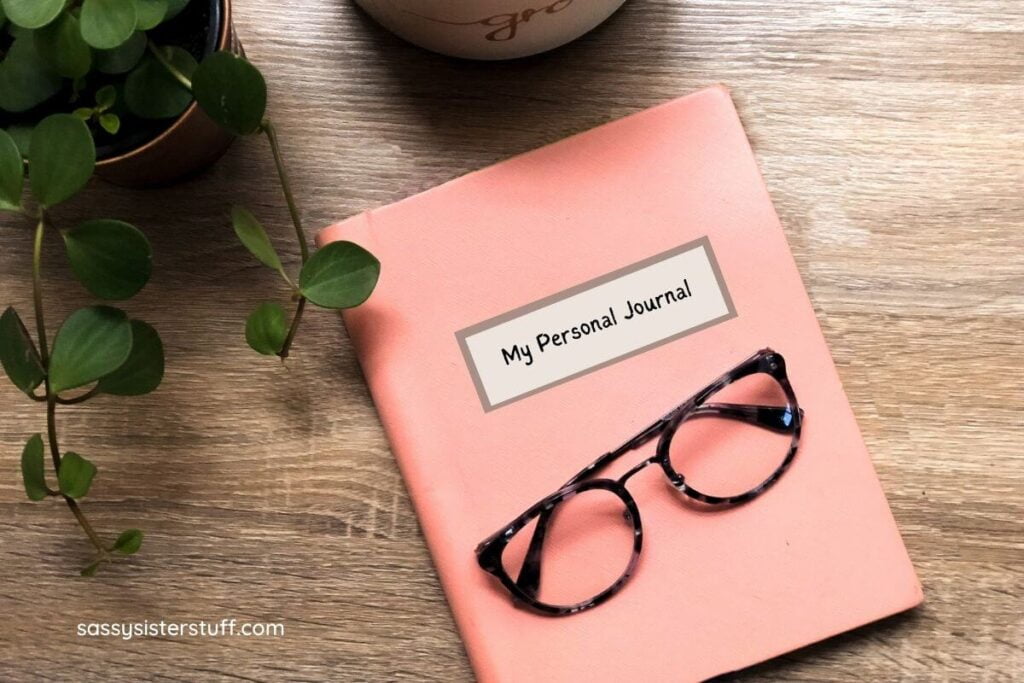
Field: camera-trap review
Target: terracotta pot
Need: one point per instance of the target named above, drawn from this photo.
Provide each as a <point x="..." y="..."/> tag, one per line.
<point x="191" y="143"/>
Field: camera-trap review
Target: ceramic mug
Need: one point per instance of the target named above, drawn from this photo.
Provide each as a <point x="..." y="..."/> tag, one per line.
<point x="490" y="29"/>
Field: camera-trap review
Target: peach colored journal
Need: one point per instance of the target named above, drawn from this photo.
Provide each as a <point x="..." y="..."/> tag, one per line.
<point x="817" y="554"/>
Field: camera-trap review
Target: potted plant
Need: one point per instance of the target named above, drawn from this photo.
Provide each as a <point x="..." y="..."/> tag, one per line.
<point x="100" y="350"/>
<point x="105" y="62"/>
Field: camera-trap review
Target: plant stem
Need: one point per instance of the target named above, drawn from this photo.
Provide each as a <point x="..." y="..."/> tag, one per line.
<point x="171" y="69"/>
<point x="293" y="209"/>
<point x="275" y="148"/>
<point x="51" y="397"/>
<point x="51" y="432"/>
<point x="295" y="288"/>
<point x="51" y="427"/>
<point x="84" y="523"/>
<point x="37" y="291"/>
<point x="286" y="348"/>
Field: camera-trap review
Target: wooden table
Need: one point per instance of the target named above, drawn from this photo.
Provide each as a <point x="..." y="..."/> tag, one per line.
<point x="890" y="134"/>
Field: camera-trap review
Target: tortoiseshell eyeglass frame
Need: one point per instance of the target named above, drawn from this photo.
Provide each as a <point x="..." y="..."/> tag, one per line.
<point x="782" y="419"/>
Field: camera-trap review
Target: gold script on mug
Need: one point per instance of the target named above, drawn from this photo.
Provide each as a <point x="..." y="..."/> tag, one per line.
<point x="490" y="29"/>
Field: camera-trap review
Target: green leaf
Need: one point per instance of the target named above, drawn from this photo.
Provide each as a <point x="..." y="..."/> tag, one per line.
<point x="111" y="258"/>
<point x="62" y="158"/>
<point x="144" y="369"/>
<point x="110" y="123"/>
<point x="84" y="113"/>
<point x="150" y="13"/>
<point x="22" y="136"/>
<point x="266" y="329"/>
<point x="92" y="343"/>
<point x="231" y="91"/>
<point x="26" y="79"/>
<point x="32" y="466"/>
<point x="107" y="23"/>
<point x="75" y="475"/>
<point x="16" y="31"/>
<point x="123" y="58"/>
<point x="340" y="275"/>
<point x="61" y="45"/>
<point x="152" y="93"/>
<point x="32" y="13"/>
<point x="18" y="353"/>
<point x="174" y="8"/>
<point x="3" y="15"/>
<point x="106" y="97"/>
<point x="254" y="237"/>
<point x="12" y="173"/>
<point x="91" y="569"/>
<point x="129" y="542"/>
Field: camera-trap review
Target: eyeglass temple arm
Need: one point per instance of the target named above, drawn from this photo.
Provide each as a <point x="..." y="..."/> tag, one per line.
<point x="775" y="418"/>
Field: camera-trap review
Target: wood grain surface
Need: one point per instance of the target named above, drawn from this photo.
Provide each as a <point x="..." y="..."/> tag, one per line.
<point x="890" y="135"/>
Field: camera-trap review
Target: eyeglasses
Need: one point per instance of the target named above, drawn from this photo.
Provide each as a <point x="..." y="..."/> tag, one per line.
<point x="725" y="445"/>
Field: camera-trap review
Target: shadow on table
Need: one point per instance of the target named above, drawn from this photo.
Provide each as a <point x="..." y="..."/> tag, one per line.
<point x="514" y="105"/>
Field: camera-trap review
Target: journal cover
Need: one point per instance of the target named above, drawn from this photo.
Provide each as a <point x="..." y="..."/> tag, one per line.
<point x="533" y="315"/>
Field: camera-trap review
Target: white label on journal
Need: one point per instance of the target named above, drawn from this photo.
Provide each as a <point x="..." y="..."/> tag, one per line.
<point x="596" y="323"/>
